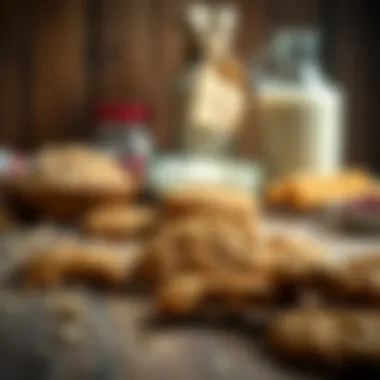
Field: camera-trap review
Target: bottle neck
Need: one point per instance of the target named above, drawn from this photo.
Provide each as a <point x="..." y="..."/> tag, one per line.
<point x="292" y="57"/>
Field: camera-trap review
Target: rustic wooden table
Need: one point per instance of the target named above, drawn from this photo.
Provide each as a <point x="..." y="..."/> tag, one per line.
<point x="192" y="351"/>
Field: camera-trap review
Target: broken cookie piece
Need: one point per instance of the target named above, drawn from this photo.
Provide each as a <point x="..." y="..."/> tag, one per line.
<point x="228" y="292"/>
<point x="69" y="261"/>
<point x="354" y="281"/>
<point x="294" y="259"/>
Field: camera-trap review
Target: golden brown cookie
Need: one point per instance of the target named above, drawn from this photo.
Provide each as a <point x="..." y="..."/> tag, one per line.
<point x="67" y="261"/>
<point x="119" y="221"/>
<point x="227" y="292"/>
<point x="329" y="336"/>
<point x="193" y="263"/>
<point x="308" y="191"/>
<point x="215" y="201"/>
<point x="293" y="258"/>
<point x="65" y="181"/>
<point x="181" y="296"/>
<point x="354" y="281"/>
<point x="198" y="245"/>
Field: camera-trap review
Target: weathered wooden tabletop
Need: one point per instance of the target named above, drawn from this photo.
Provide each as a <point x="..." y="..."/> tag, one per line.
<point x="186" y="351"/>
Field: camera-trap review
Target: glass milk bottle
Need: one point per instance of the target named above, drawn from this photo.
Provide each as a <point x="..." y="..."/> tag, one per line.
<point x="300" y="109"/>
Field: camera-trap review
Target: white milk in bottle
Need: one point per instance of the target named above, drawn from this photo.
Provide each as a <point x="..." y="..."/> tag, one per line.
<point x="300" y="110"/>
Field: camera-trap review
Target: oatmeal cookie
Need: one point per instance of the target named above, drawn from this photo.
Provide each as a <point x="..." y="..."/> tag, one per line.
<point x="328" y="336"/>
<point x="309" y="191"/>
<point x="63" y="182"/>
<point x="119" y="221"/>
<point x="67" y="261"/>
<point x="215" y="201"/>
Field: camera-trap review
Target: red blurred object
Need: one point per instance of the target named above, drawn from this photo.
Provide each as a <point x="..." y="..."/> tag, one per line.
<point x="12" y="163"/>
<point x="122" y="112"/>
<point x="123" y="132"/>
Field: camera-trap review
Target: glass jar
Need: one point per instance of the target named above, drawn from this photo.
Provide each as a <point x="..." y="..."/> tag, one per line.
<point x="123" y="132"/>
<point x="300" y="108"/>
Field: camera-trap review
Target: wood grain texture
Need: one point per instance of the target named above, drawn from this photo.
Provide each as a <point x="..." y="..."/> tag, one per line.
<point x="124" y="67"/>
<point x="121" y="339"/>
<point x="58" y="69"/>
<point x="293" y="12"/>
<point x="350" y="58"/>
<point x="13" y="62"/>
<point x="10" y="100"/>
<point x="87" y="336"/>
<point x="58" y="57"/>
<point x="373" y="92"/>
<point x="169" y="56"/>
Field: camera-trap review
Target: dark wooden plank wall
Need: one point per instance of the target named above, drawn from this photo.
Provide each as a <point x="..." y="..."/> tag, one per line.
<point x="353" y="56"/>
<point x="57" y="57"/>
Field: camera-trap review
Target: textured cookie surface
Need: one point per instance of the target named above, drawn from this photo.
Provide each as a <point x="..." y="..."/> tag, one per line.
<point x="194" y="265"/>
<point x="115" y="221"/>
<point x="332" y="336"/>
<point x="78" y="168"/>
<point x="309" y="191"/>
<point x="66" y="261"/>
<point x="66" y="181"/>
<point x="212" y="200"/>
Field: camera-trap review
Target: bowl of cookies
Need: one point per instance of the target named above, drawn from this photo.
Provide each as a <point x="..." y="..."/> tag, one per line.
<point x="63" y="182"/>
